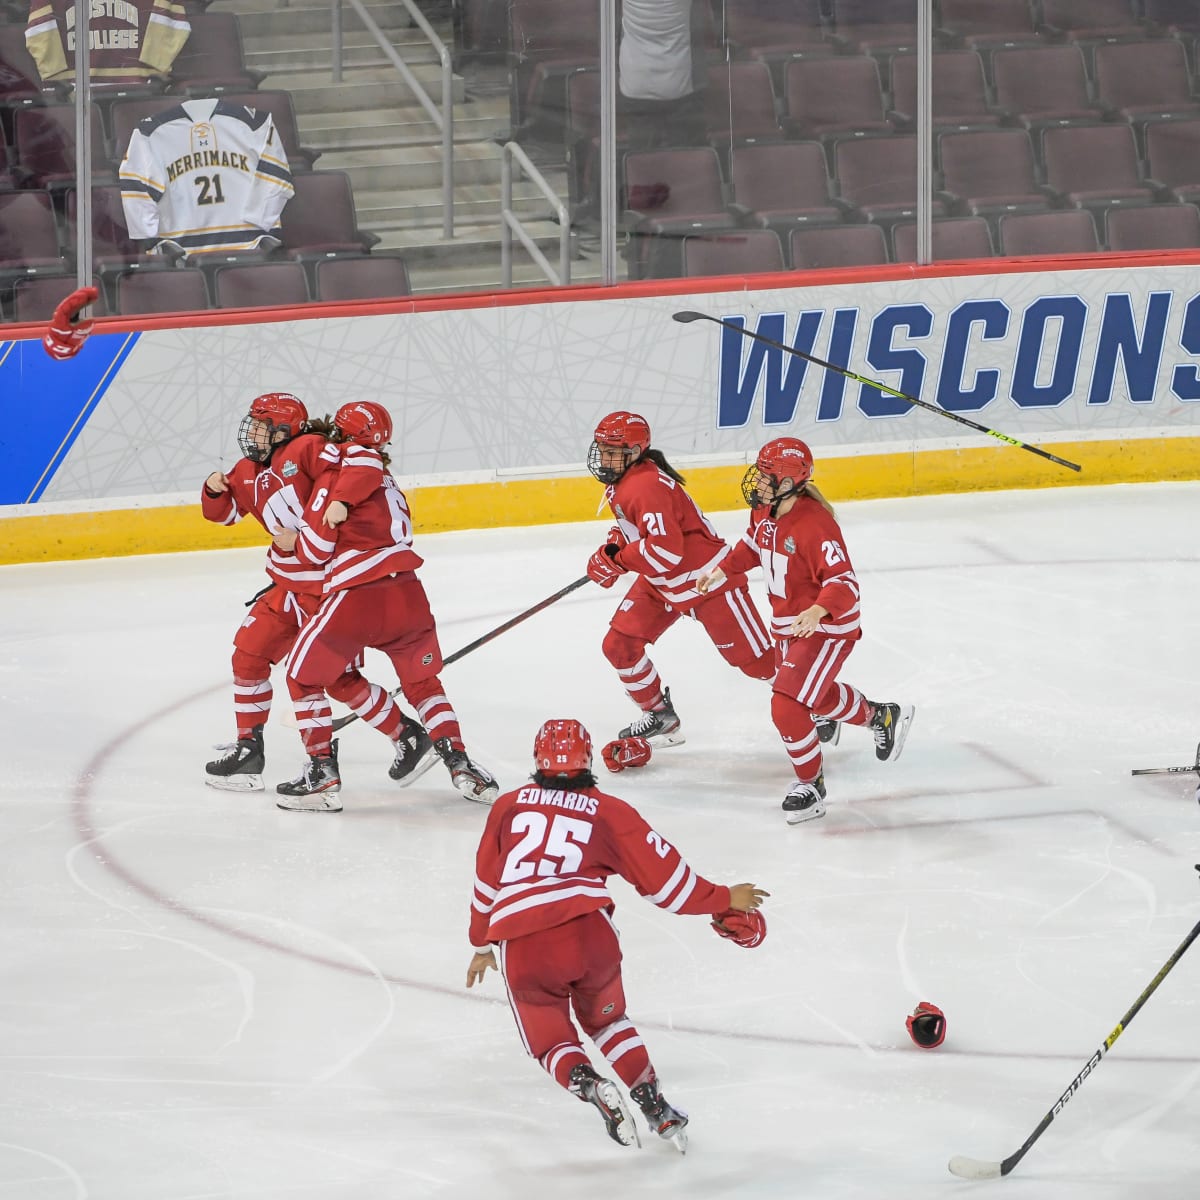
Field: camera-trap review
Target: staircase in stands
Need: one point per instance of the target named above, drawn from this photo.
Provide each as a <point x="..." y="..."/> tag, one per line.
<point x="371" y="126"/>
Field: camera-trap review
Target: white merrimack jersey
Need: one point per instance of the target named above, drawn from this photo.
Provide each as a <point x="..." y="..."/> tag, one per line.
<point x="207" y="175"/>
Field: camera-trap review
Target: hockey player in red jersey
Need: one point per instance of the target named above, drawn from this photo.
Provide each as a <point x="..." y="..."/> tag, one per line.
<point x="371" y="598"/>
<point x="540" y="896"/>
<point x="667" y="543"/>
<point x="283" y="452"/>
<point x="794" y="536"/>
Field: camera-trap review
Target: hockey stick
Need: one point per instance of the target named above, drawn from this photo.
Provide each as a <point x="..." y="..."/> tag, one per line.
<point x="686" y="318"/>
<point x="342" y="722"/>
<point x="1171" y="770"/>
<point x="977" y="1168"/>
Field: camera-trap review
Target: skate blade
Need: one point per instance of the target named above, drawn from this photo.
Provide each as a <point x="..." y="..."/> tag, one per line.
<point x="423" y="765"/>
<point x="485" y="795"/>
<point x="799" y="816"/>
<point x="625" y="1131"/>
<point x="677" y="1136"/>
<point x="663" y="740"/>
<point x="907" y="712"/>
<point x="235" y="783"/>
<point x="319" y="803"/>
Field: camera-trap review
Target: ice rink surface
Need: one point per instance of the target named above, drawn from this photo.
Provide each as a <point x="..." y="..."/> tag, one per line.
<point x="204" y="997"/>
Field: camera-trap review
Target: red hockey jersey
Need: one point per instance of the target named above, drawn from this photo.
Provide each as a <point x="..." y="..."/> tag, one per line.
<point x="805" y="562"/>
<point x="671" y="542"/>
<point x="277" y="492"/>
<point x="375" y="541"/>
<point x="545" y="855"/>
<point x="130" y="40"/>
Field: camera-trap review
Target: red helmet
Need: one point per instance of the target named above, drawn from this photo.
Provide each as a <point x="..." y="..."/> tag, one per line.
<point x="562" y="748"/>
<point x="785" y="464"/>
<point x="623" y="431"/>
<point x="281" y="412"/>
<point x="364" y="422"/>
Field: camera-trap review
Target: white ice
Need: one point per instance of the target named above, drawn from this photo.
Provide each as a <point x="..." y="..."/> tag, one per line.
<point x="202" y="996"/>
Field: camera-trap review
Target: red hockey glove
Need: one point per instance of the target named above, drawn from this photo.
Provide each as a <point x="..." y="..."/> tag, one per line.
<point x="626" y="752"/>
<point x="927" y="1025"/>
<point x="616" y="537"/>
<point x="66" y="335"/>
<point x="603" y="568"/>
<point x="746" y="928"/>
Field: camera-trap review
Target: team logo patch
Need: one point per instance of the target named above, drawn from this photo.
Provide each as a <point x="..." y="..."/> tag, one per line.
<point x="607" y="1009"/>
<point x="289" y="469"/>
<point x="426" y="660"/>
<point x="789" y="545"/>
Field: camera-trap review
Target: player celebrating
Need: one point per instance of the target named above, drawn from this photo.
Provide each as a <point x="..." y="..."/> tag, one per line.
<point x="372" y="597"/>
<point x="540" y="894"/>
<point x="283" y="453"/>
<point x="668" y="543"/>
<point x="795" y="537"/>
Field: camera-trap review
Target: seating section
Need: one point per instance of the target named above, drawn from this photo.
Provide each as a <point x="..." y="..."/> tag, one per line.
<point x="1060" y="126"/>
<point x="36" y="299"/>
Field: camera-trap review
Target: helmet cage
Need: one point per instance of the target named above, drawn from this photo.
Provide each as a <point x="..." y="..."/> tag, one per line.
<point x="280" y="413"/>
<point x="609" y="475"/>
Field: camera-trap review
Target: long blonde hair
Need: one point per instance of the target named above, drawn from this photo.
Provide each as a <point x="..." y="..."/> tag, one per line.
<point x="808" y="488"/>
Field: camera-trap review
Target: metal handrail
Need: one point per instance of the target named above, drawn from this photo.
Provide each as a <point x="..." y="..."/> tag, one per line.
<point x="443" y="119"/>
<point x="511" y="223"/>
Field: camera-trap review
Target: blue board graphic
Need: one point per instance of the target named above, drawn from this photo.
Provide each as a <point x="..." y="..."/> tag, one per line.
<point x="44" y="405"/>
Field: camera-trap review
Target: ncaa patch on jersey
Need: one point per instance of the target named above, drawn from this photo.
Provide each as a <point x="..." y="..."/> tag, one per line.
<point x="426" y="660"/>
<point x="289" y="469"/>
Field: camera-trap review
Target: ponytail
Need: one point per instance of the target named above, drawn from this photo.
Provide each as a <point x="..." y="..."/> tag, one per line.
<point x="659" y="460"/>
<point x="810" y="489"/>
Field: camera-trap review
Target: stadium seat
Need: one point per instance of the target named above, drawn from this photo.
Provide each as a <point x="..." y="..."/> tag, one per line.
<point x="990" y="171"/>
<point x="260" y="285"/>
<point x="45" y="144"/>
<point x="1094" y="166"/>
<point x="36" y="299"/>
<point x="834" y="98"/>
<point x="1145" y="81"/>
<point x="320" y="217"/>
<point x="1158" y="227"/>
<point x="783" y="186"/>
<point x="212" y="58"/>
<point x="738" y="252"/>
<point x="1042" y="87"/>
<point x="952" y="238"/>
<point x="960" y="98"/>
<point x="166" y="290"/>
<point x="817" y="247"/>
<point x="1173" y="158"/>
<point x="1063" y="231"/>
<point x="369" y="277"/>
<point x="877" y="177"/>
<point x="28" y="235"/>
<point x="740" y="104"/>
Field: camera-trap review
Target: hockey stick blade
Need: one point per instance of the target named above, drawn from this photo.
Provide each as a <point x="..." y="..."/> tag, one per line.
<point x="687" y="316"/>
<point x="974" y="1168"/>
<point x="1195" y="767"/>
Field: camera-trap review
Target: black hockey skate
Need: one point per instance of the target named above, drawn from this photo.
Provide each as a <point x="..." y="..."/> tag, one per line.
<point x="660" y="727"/>
<point x="668" y="1122"/>
<point x="414" y="753"/>
<point x="604" y="1094"/>
<point x="890" y="726"/>
<point x="828" y="731"/>
<point x="240" y="768"/>
<point x="805" y="801"/>
<point x="316" y="788"/>
<point x="469" y="778"/>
